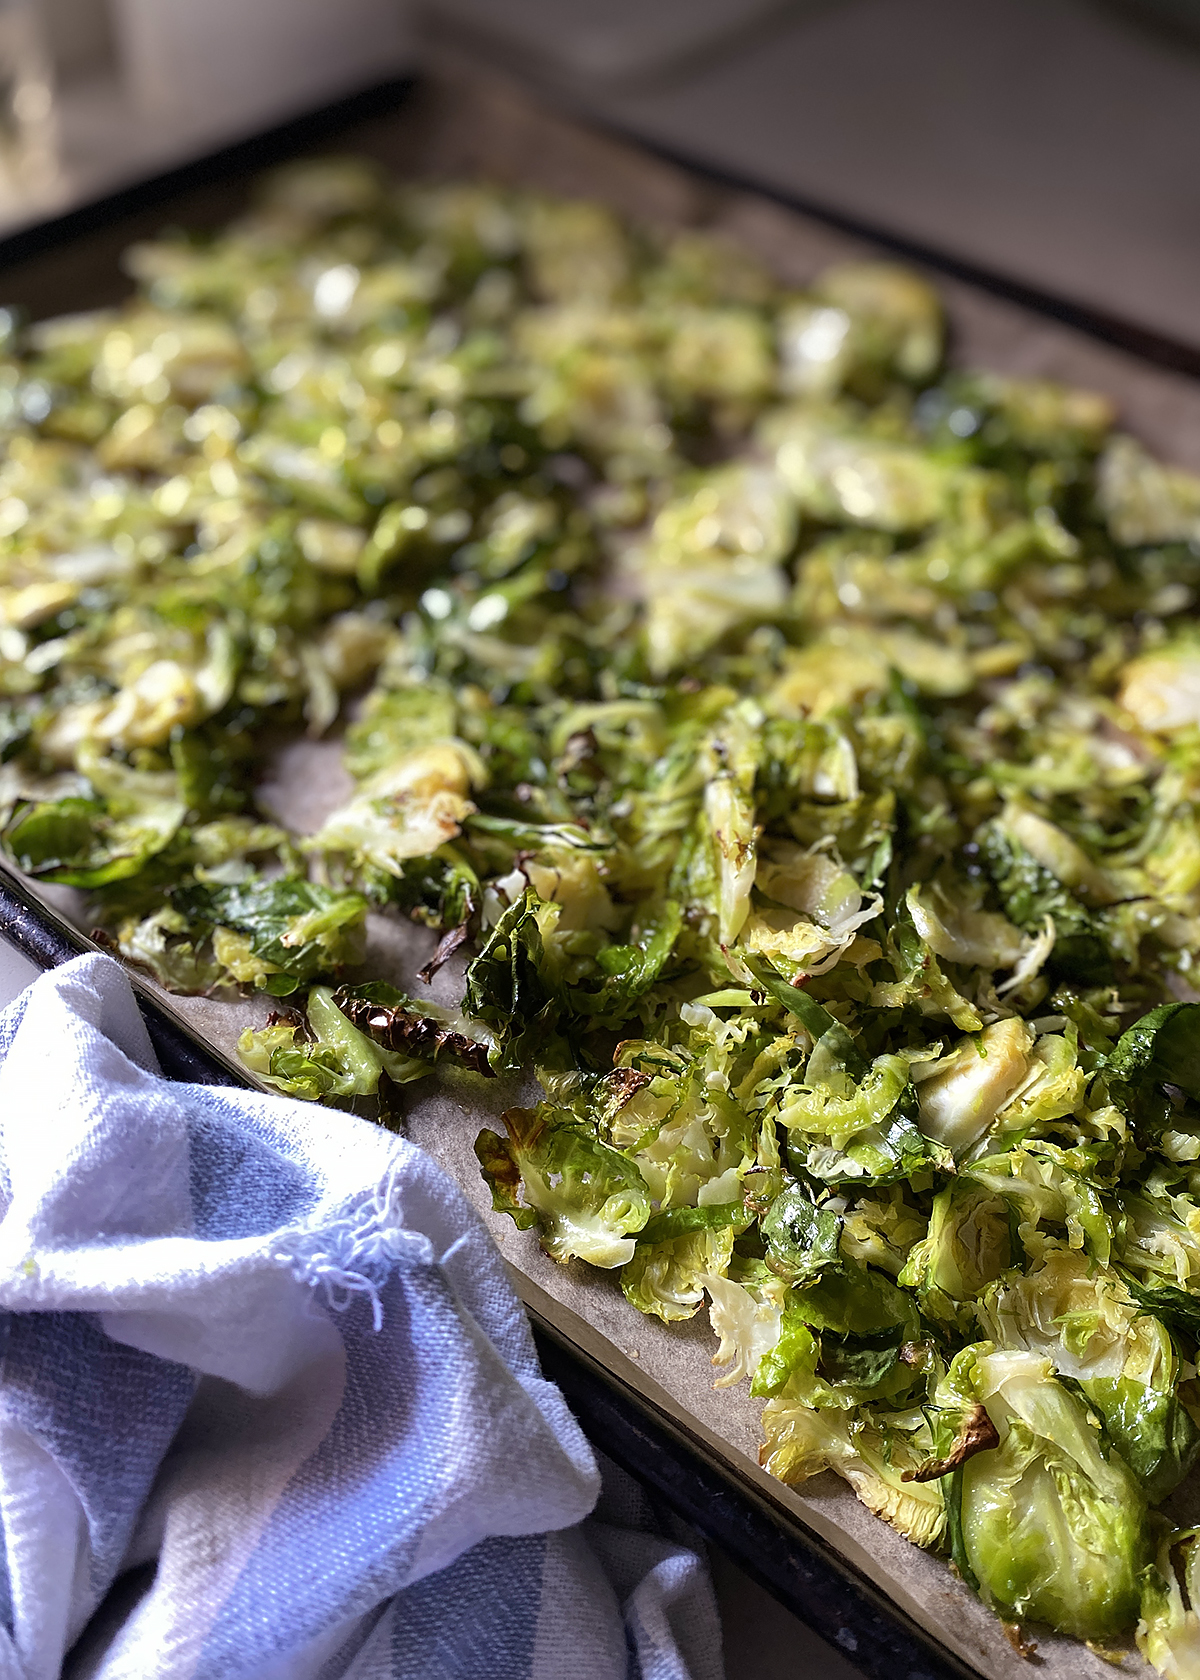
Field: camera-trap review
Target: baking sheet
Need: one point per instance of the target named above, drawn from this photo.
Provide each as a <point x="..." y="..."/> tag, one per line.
<point x="465" y="125"/>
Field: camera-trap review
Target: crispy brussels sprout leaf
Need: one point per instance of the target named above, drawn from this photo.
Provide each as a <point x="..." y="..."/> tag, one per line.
<point x="92" y="841"/>
<point x="631" y="969"/>
<point x="1163" y="1048"/>
<point x="278" y="934"/>
<point x="835" y="1109"/>
<point x="588" y="1200"/>
<point x="1030" y="892"/>
<point x="333" y="1060"/>
<point x="667" y="1279"/>
<point x="396" y="722"/>
<point x="442" y="891"/>
<point x="408" y="809"/>
<point x="837" y="1044"/>
<point x="359" y="1051"/>
<point x="845" y="1340"/>
<point x="674" y="1222"/>
<point x="400" y="1027"/>
<point x="169" y="948"/>
<point x="976" y="1433"/>
<point x="1054" y="1530"/>
<point x="1082" y="1317"/>
<point x="1044" y="1188"/>
<point x="802" y="1239"/>
<point x="1178" y="1308"/>
<point x="886" y="1152"/>
<point x="746" y="1318"/>
<point x="791" y="1363"/>
<point x="959" y="1102"/>
<point x="844" y="1131"/>
<point x="284" y="1060"/>
<point x="509" y="988"/>
<point x="1168" y="1634"/>
<point x="801" y="1442"/>
<point x="857" y="1301"/>
<point x="969" y="1244"/>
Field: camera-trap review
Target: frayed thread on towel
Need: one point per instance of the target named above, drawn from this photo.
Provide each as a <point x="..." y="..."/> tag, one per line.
<point x="356" y="1252"/>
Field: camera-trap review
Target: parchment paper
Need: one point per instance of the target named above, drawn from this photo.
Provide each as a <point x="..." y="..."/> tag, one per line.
<point x="464" y="124"/>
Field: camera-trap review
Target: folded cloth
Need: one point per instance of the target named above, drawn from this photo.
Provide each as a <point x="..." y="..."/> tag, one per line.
<point x="269" y="1407"/>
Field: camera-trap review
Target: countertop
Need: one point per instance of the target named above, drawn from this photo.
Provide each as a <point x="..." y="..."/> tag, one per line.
<point x="1051" y="141"/>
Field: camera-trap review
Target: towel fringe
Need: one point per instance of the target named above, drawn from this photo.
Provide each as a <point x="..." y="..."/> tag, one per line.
<point x="356" y="1252"/>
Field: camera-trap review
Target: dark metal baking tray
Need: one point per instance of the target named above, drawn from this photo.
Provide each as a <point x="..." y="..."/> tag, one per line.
<point x="71" y="263"/>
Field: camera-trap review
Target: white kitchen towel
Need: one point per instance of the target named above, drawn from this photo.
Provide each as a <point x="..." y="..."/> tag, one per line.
<point x="269" y="1408"/>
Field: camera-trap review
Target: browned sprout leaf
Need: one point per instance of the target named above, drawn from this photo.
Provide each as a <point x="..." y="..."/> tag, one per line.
<point x="412" y="1034"/>
<point x="978" y="1434"/>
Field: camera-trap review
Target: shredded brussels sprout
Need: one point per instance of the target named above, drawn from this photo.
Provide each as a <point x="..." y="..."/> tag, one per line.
<point x="798" y="736"/>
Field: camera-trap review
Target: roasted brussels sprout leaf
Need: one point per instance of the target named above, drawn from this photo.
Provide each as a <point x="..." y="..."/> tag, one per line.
<point x="976" y="1433"/>
<point x="276" y="935"/>
<point x="323" y="1056"/>
<point x="1054" y="1527"/>
<point x="1089" y="1322"/>
<point x="801" y="1239"/>
<point x="108" y="833"/>
<point x="1168" y="1634"/>
<point x="873" y="1454"/>
<point x="421" y="1031"/>
<point x="588" y="1200"/>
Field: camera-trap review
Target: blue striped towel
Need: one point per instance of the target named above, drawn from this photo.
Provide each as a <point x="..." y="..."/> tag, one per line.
<point x="269" y="1407"/>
